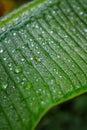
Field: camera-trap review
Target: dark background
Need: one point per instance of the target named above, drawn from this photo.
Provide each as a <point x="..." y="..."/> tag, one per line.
<point x="8" y="5"/>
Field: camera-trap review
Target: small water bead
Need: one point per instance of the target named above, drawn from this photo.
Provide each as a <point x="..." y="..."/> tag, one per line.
<point x="65" y="36"/>
<point x="85" y="30"/>
<point x="23" y="47"/>
<point x="3" y="86"/>
<point x="52" y="82"/>
<point x="22" y="59"/>
<point x="16" y="20"/>
<point x="43" y="32"/>
<point x="42" y="102"/>
<point x="4" y="58"/>
<point x="81" y="13"/>
<point x="10" y="64"/>
<point x="60" y="93"/>
<point x="36" y="47"/>
<point x="13" y="87"/>
<point x="14" y="34"/>
<point x="31" y="40"/>
<point x="1" y="50"/>
<point x="3" y="29"/>
<point x="18" y="69"/>
<point x="51" y="32"/>
<point x="53" y="11"/>
<point x="31" y="58"/>
<point x="38" y="52"/>
<point x="13" y="50"/>
<point x="45" y="43"/>
<point x="73" y="66"/>
<point x="37" y="59"/>
<point x="32" y="44"/>
<point x="60" y="76"/>
<point x="18" y="79"/>
<point x="58" y="56"/>
<point x="28" y="86"/>
<point x="22" y="82"/>
<point x="24" y="79"/>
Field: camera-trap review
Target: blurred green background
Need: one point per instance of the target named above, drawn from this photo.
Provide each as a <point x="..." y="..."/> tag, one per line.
<point x="71" y="115"/>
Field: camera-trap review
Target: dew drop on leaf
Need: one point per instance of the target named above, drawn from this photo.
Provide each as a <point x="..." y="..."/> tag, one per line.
<point x="28" y="85"/>
<point x="31" y="58"/>
<point x="22" y="59"/>
<point x="3" y="29"/>
<point x="1" y="50"/>
<point x="37" y="59"/>
<point x="3" y="86"/>
<point x="85" y="30"/>
<point x="4" y="58"/>
<point x="18" y="69"/>
<point x="14" y="34"/>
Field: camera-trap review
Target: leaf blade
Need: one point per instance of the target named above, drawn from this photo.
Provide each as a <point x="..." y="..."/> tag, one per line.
<point x="43" y="62"/>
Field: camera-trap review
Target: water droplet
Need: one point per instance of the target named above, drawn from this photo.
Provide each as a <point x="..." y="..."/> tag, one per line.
<point x="14" y="34"/>
<point x="22" y="83"/>
<point x="54" y="12"/>
<point x="37" y="59"/>
<point x="13" y="87"/>
<point x="58" y="56"/>
<point x="23" y="47"/>
<point x="18" y="79"/>
<point x="73" y="66"/>
<point x="60" y="76"/>
<point x="13" y="50"/>
<point x="38" y="52"/>
<point x="31" y="58"/>
<point x="3" y="86"/>
<point x="4" y="58"/>
<point x="9" y="64"/>
<point x="42" y="102"/>
<point x="51" y="32"/>
<point x="52" y="81"/>
<point x="28" y="85"/>
<point x="3" y="28"/>
<point x="81" y="13"/>
<point x="18" y="69"/>
<point x="1" y="50"/>
<point x="31" y="40"/>
<point x="22" y="59"/>
<point x="85" y="30"/>
<point x="65" y="36"/>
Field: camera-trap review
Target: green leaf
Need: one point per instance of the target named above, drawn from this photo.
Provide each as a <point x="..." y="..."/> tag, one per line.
<point x="43" y="60"/>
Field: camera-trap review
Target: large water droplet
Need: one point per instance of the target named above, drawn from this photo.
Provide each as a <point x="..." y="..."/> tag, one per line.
<point x="81" y="13"/>
<point x="28" y="85"/>
<point x="52" y="81"/>
<point x="3" y="86"/>
<point x="4" y="58"/>
<point x="37" y="59"/>
<point x="31" y="58"/>
<point x="85" y="30"/>
<point x="22" y="59"/>
<point x="14" y="34"/>
<point x="1" y="50"/>
<point x="18" y="69"/>
<point x="3" y="29"/>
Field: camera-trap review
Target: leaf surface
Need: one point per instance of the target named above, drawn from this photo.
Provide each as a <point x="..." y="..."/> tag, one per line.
<point x="43" y="60"/>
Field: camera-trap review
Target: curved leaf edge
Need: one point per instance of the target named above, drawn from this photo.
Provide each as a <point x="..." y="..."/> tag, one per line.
<point x="17" y="12"/>
<point x="66" y="98"/>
